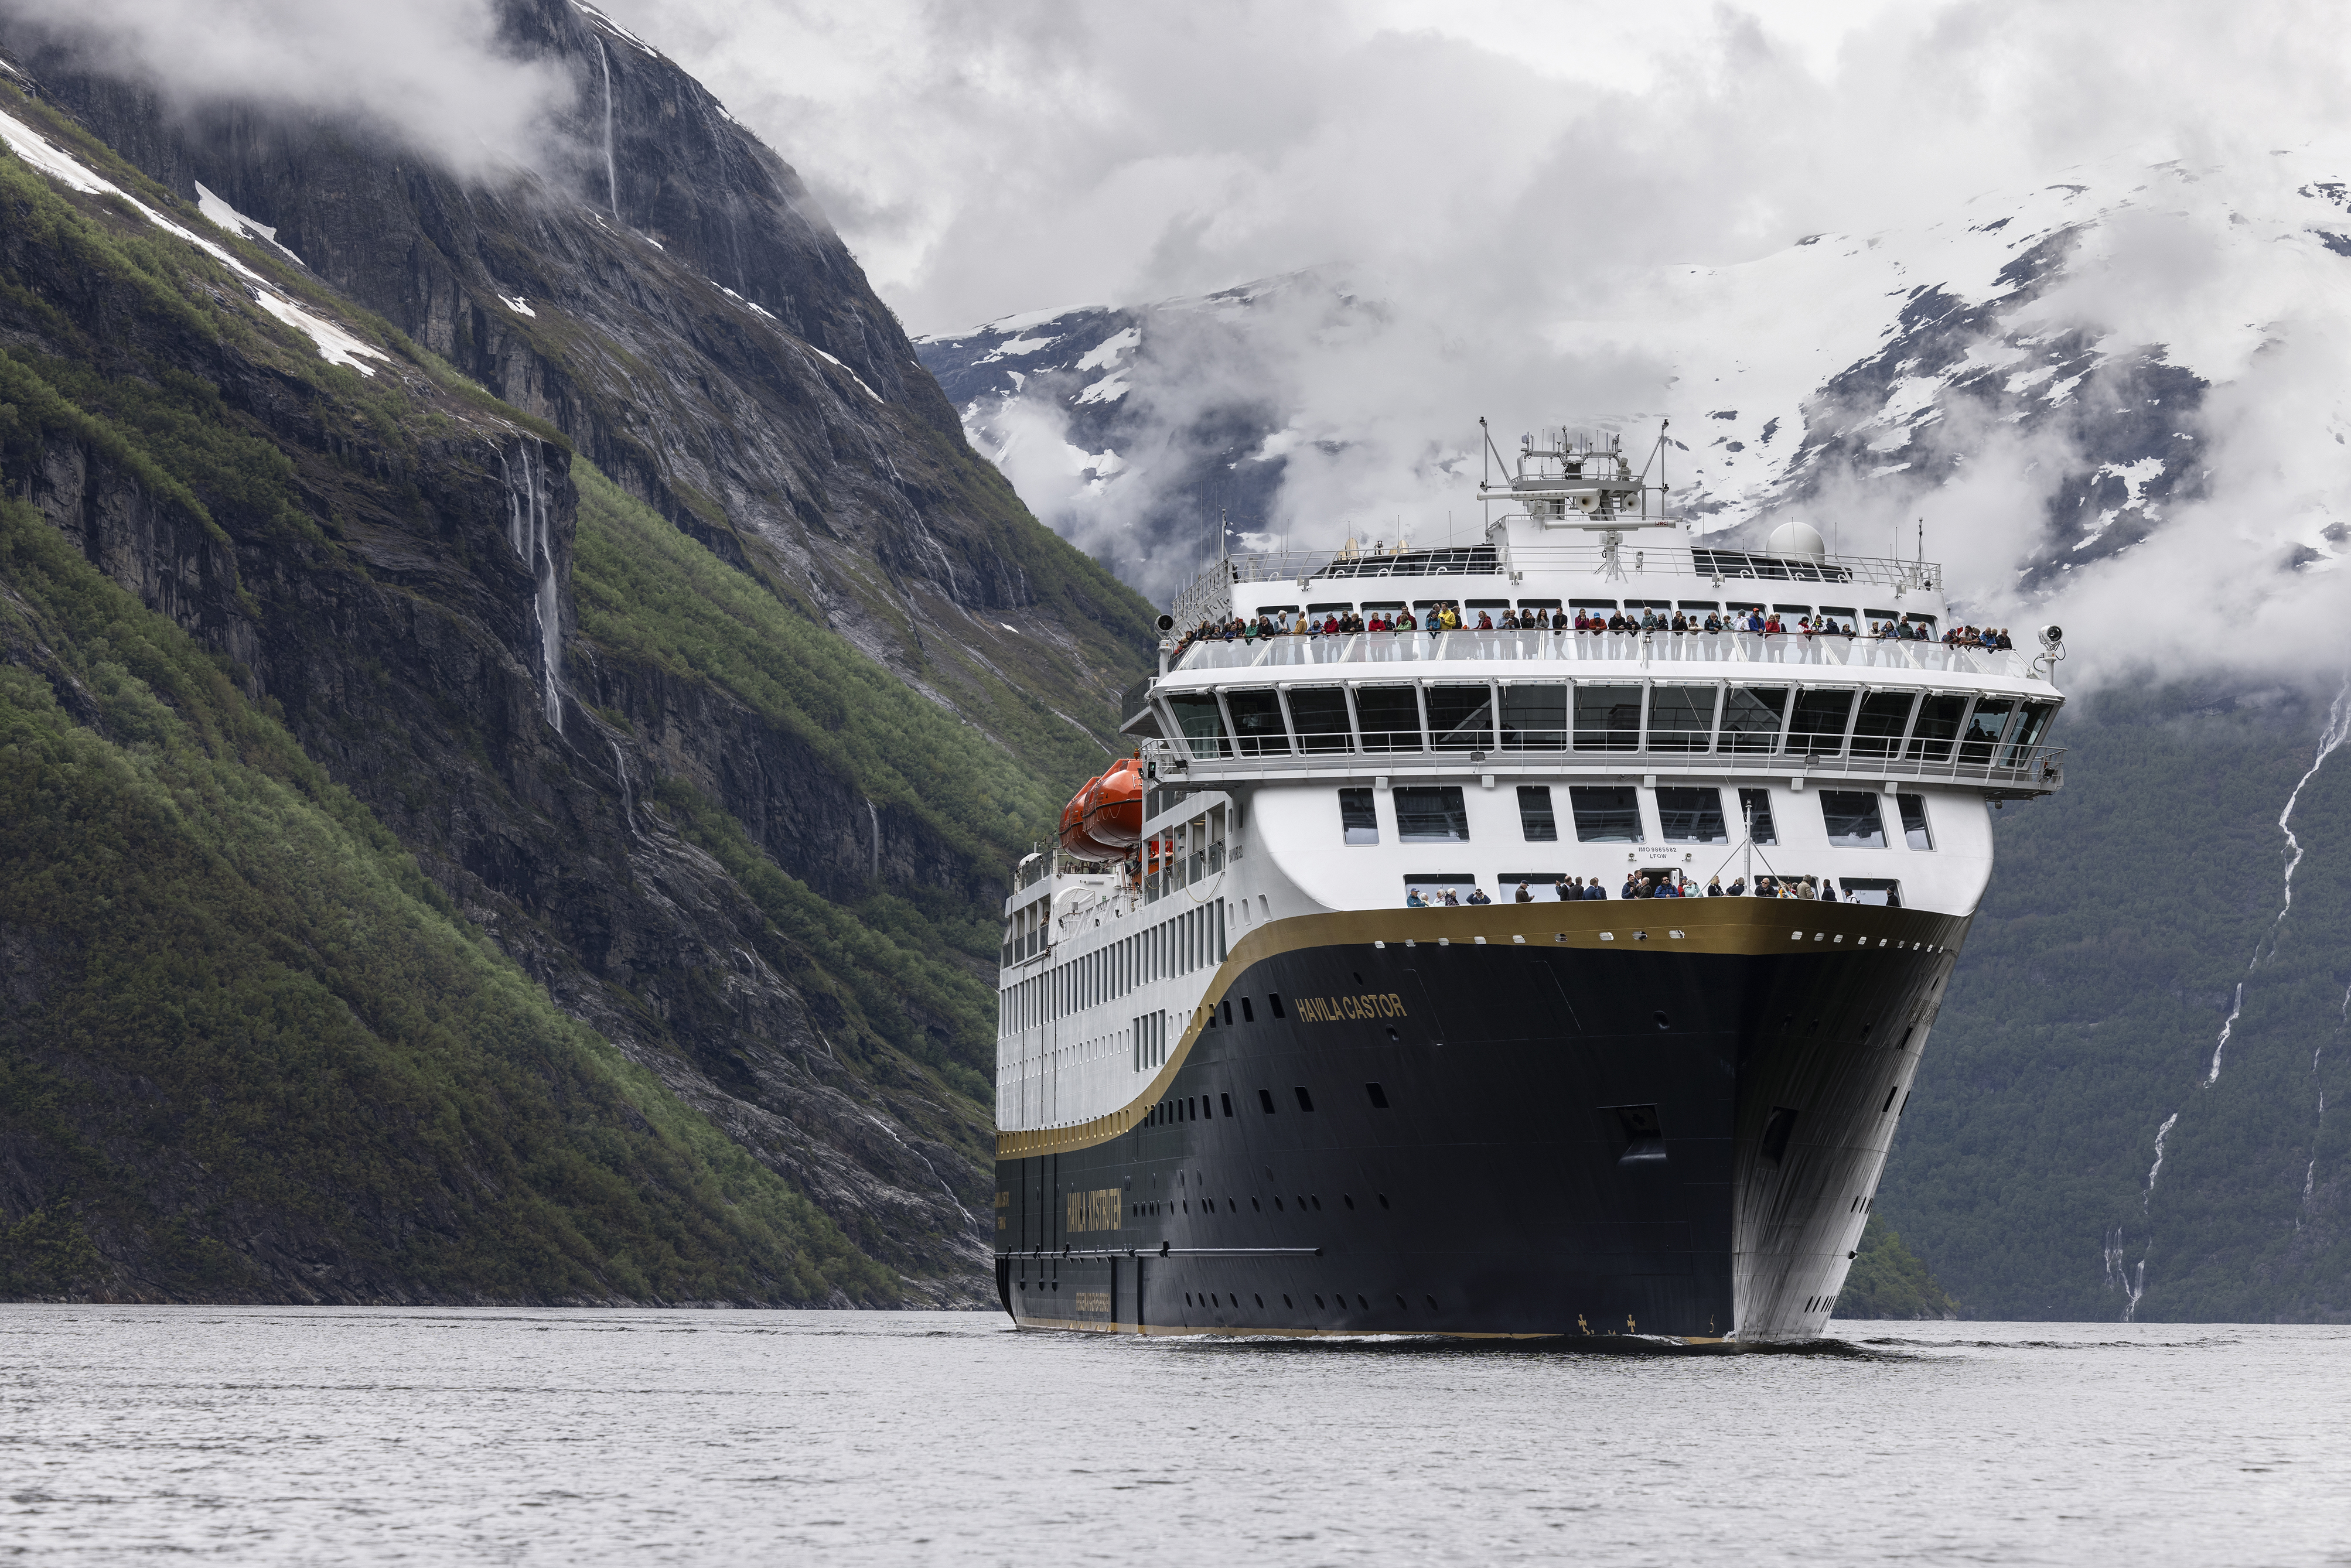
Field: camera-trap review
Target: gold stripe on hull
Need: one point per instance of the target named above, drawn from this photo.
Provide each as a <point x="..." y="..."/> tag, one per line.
<point x="1746" y="927"/>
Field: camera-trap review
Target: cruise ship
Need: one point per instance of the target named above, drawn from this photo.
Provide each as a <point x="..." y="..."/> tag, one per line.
<point x="1310" y="1025"/>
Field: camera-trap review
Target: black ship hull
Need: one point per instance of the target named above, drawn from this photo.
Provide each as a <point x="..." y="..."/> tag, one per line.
<point x="1666" y="1121"/>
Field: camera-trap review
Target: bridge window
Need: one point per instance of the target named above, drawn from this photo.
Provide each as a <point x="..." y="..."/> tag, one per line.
<point x="1681" y="718"/>
<point x="1750" y="717"/>
<point x="1534" y="719"/>
<point x="1851" y="818"/>
<point x="1535" y="818"/>
<point x="1319" y="714"/>
<point x="1390" y="716"/>
<point x="1606" y="813"/>
<point x="1877" y="730"/>
<point x="1980" y="740"/>
<point x="1692" y="817"/>
<point x="2030" y="725"/>
<point x="1431" y="814"/>
<point x="1258" y="729"/>
<point x="1818" y="728"/>
<point x="1755" y="805"/>
<point x="1914" y="821"/>
<point x="1461" y="718"/>
<point x="1607" y="718"/>
<point x="1200" y="724"/>
<point x="1359" y="822"/>
<point x="1938" y="726"/>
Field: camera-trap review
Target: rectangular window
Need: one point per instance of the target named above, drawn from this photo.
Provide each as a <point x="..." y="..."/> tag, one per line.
<point x="1257" y="723"/>
<point x="1607" y="718"/>
<point x="1264" y="1100"/>
<point x="1379" y="1096"/>
<point x="1461" y="718"/>
<point x="1681" y="718"/>
<point x="1692" y="817"/>
<point x="1305" y="1101"/>
<point x="1534" y="719"/>
<point x="1818" y="728"/>
<point x="2030" y="725"/>
<point x="1390" y="716"/>
<point x="1319" y="714"/>
<point x="1937" y="728"/>
<point x="1200" y="722"/>
<point x="1535" y="819"/>
<point x="1914" y="821"/>
<point x="1432" y="886"/>
<point x="1980" y="740"/>
<point x="1750" y="717"/>
<point x="1431" y="814"/>
<point x="1851" y="818"/>
<point x="1874" y="890"/>
<point x="1606" y="813"/>
<point x="1877" y="730"/>
<point x="1359" y="820"/>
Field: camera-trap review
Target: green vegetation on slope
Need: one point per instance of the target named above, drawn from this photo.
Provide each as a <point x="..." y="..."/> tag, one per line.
<point x="650" y="595"/>
<point x="2124" y="915"/>
<point x="236" y="1009"/>
<point x="1888" y="1281"/>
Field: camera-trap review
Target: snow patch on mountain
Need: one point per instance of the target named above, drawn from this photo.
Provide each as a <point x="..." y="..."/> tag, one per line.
<point x="334" y="345"/>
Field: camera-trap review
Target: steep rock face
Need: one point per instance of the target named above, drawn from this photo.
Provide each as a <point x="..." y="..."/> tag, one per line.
<point x="405" y="597"/>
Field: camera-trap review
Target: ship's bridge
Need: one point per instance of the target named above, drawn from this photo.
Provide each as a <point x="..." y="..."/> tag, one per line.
<point x="1830" y="700"/>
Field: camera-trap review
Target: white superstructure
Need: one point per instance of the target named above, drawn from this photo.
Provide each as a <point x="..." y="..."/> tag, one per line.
<point x="1304" y="775"/>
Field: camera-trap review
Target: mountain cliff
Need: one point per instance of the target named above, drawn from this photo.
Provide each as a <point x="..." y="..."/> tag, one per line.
<point x="595" y="560"/>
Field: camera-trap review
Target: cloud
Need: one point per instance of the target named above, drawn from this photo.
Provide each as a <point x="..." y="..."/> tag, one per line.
<point x="433" y="75"/>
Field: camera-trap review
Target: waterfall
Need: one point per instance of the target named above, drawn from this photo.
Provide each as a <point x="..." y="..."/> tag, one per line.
<point x="628" y="806"/>
<point x="612" y="176"/>
<point x="874" y="817"/>
<point x="2156" y="1169"/>
<point x="2337" y="730"/>
<point x="2213" y="1077"/>
<point x="530" y="533"/>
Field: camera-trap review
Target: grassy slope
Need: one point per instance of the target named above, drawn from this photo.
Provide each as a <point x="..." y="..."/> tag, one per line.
<point x="237" y="1005"/>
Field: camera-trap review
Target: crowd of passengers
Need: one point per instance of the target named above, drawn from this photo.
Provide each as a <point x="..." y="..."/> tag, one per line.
<point x="1570" y="889"/>
<point x="1448" y="618"/>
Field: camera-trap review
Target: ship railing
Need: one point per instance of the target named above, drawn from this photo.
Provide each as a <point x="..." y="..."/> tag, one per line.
<point x="1640" y="649"/>
<point x="1994" y="763"/>
<point x="1631" y="557"/>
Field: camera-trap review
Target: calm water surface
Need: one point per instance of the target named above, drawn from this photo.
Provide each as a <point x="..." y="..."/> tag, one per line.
<point x="319" y="1437"/>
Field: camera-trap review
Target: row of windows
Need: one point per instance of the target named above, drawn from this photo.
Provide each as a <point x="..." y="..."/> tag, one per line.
<point x="1611" y="814"/>
<point x="1374" y="606"/>
<point x="1612" y="715"/>
<point x="1194" y="1107"/>
<point x="1190" y="941"/>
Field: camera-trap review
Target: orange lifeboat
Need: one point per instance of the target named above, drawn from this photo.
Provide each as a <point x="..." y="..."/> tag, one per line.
<point x="1112" y="813"/>
<point x="1072" y="829"/>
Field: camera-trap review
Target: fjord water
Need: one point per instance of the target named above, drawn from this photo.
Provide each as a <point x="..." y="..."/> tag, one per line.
<point x="437" y="1436"/>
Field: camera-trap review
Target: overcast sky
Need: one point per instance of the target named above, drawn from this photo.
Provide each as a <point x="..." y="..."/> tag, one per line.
<point x="1032" y="154"/>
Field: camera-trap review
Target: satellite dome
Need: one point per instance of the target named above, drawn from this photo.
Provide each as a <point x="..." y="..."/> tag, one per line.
<point x="1797" y="538"/>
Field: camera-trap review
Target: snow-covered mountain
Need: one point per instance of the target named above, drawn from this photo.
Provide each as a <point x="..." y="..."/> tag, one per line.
<point x="2126" y="377"/>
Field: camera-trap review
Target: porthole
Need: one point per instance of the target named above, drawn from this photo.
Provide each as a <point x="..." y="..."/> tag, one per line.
<point x="1318" y="1304"/>
<point x="1318" y="1204"/>
<point x="1432" y="1302"/>
<point x="1400" y="1305"/>
<point x="1255" y="1206"/>
<point x="1359" y="976"/>
<point x="1260" y="1300"/>
<point x="1347" y="1200"/>
<point x="1188" y="1298"/>
<point x="1663" y="1022"/>
<point x="1392" y="1033"/>
<point x="1363" y="1304"/>
<point x="1277" y="1206"/>
<point x="1285" y="1300"/>
<point x="1383" y="1199"/>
